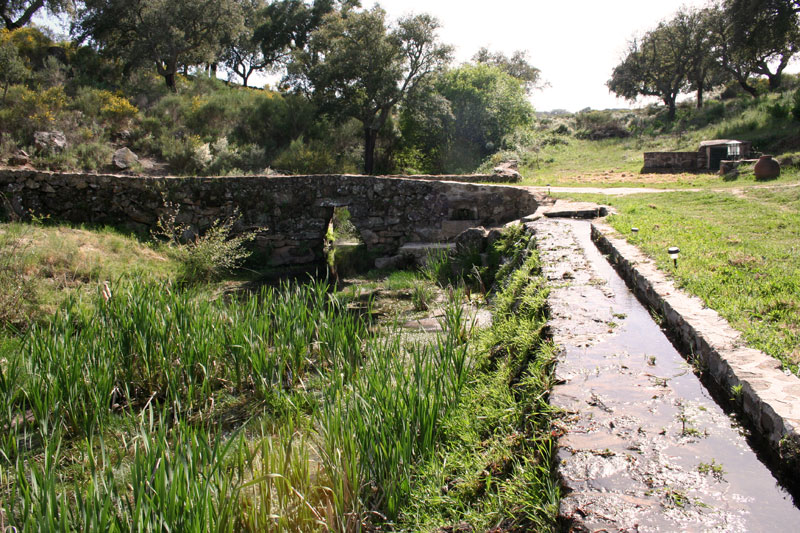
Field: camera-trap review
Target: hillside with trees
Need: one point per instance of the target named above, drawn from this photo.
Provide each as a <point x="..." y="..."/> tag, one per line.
<point x="351" y="90"/>
<point x="144" y="75"/>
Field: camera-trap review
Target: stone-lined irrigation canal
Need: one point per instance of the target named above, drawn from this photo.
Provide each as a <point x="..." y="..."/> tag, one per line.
<point x="645" y="447"/>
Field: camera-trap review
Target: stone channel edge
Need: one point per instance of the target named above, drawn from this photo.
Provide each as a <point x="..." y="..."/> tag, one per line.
<point x="768" y="398"/>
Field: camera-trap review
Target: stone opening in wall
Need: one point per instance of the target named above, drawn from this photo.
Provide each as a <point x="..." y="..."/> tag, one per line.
<point x="345" y="251"/>
<point x="464" y="213"/>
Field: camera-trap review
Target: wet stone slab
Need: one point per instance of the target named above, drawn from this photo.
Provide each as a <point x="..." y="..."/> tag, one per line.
<point x="644" y="446"/>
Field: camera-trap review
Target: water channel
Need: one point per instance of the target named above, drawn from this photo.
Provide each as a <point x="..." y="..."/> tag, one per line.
<point x="645" y="447"/>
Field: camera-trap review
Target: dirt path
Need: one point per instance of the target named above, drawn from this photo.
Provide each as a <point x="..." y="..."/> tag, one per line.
<point x="644" y="446"/>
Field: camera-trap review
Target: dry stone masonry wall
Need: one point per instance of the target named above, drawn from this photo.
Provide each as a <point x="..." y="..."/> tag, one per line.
<point x="289" y="214"/>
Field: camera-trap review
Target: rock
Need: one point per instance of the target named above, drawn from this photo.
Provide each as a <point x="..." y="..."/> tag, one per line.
<point x="124" y="159"/>
<point x="472" y="240"/>
<point x="508" y="170"/>
<point x="50" y="141"/>
<point x="766" y="168"/>
<point x="21" y="158"/>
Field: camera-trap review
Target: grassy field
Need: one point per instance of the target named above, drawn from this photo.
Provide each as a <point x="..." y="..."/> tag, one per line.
<point x="171" y="406"/>
<point x="740" y="253"/>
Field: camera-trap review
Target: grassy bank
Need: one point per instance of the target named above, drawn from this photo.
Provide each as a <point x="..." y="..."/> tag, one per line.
<point x="739" y="254"/>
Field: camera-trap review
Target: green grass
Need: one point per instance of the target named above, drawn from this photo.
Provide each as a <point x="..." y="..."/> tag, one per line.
<point x="42" y="265"/>
<point x="739" y="254"/>
<point x="494" y="467"/>
<point x="167" y="406"/>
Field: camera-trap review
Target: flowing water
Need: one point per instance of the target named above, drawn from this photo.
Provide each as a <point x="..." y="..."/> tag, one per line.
<point x="645" y="447"/>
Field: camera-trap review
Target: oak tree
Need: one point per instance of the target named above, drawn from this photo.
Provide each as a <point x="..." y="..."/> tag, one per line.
<point x="356" y="66"/>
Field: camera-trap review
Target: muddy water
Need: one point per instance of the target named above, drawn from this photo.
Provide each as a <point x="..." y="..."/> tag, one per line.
<point x="645" y="447"/>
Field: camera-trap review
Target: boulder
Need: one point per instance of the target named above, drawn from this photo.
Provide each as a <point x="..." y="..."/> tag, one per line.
<point x="50" y="141"/>
<point x="472" y="240"/>
<point x="508" y="170"/>
<point x="20" y="159"/>
<point x="124" y="159"/>
<point x="766" y="168"/>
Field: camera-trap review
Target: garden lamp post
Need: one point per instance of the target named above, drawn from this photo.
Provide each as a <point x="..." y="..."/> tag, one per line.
<point x="673" y="252"/>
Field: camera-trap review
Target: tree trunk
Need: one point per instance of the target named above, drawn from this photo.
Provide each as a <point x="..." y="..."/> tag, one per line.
<point x="775" y="81"/>
<point x="700" y="96"/>
<point x="749" y="88"/>
<point x="169" y="78"/>
<point x="670" y="103"/>
<point x="370" y="139"/>
<point x="245" y="77"/>
<point x="25" y="18"/>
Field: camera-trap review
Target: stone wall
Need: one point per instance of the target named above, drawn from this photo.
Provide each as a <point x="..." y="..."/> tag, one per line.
<point x="690" y="161"/>
<point x="289" y="214"/>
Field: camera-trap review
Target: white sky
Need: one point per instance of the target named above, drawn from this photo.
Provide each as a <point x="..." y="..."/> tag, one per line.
<point x="575" y="43"/>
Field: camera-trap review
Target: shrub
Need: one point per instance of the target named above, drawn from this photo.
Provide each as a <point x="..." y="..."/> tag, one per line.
<point x="306" y="158"/>
<point x="796" y="105"/>
<point x="599" y="125"/>
<point x="28" y="111"/>
<point x="778" y="110"/>
<point x="104" y="105"/>
<point x="205" y="257"/>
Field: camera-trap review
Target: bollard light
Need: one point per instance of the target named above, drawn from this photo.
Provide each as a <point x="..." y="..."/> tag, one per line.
<point x="673" y="252"/>
<point x="635" y="231"/>
<point x="548" y="189"/>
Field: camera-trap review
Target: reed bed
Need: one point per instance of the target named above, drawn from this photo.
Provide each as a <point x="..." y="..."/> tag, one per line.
<point x="108" y="413"/>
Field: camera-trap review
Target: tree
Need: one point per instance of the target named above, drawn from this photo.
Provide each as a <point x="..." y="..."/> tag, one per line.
<point x="452" y="122"/>
<point x="242" y="53"/>
<point x="704" y="72"/>
<point x="733" y="59"/>
<point x="765" y="32"/>
<point x="658" y="64"/>
<point x="166" y="33"/>
<point x="355" y="66"/>
<point x="287" y="25"/>
<point x="18" y="13"/>
<point x="516" y="66"/>
<point x="487" y="104"/>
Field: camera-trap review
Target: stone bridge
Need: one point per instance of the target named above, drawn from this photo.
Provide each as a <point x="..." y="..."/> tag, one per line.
<point x="289" y="214"/>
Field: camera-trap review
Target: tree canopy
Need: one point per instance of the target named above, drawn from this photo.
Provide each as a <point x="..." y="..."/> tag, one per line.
<point x="356" y="66"/>
<point x="166" y="33"/>
<point x="517" y="66"/>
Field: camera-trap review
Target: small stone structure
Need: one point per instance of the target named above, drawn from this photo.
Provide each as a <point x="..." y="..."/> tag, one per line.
<point x="289" y="214"/>
<point x="707" y="157"/>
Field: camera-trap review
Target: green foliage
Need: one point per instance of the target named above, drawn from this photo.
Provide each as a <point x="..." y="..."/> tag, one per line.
<point x="596" y="125"/>
<point x="205" y="257"/>
<point x="300" y="157"/>
<point x="357" y="67"/>
<point x="467" y="114"/>
<point x="796" y="105"/>
<point x="12" y="68"/>
<point x="486" y="475"/>
<point x="167" y="34"/>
